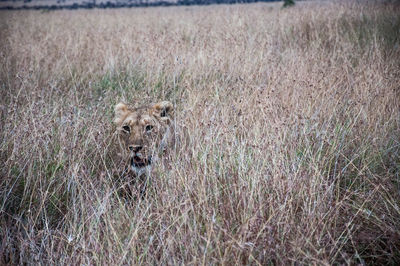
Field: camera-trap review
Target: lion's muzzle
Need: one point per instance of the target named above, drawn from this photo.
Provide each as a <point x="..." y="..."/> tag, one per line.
<point x="138" y="161"/>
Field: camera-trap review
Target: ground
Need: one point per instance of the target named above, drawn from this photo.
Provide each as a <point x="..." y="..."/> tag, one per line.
<point x="290" y="152"/>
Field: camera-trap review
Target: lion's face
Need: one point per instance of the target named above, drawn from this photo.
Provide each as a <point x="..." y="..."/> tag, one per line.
<point x="143" y="131"/>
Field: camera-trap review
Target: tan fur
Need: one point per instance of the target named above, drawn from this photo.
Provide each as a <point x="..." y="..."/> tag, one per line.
<point x="144" y="132"/>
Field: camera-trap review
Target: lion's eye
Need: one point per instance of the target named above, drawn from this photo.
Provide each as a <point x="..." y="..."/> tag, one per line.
<point x="126" y="128"/>
<point x="148" y="128"/>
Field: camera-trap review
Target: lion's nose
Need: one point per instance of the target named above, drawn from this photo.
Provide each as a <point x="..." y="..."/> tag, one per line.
<point x="135" y="148"/>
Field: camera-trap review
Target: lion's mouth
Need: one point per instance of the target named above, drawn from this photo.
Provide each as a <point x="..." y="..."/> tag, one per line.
<point x="139" y="162"/>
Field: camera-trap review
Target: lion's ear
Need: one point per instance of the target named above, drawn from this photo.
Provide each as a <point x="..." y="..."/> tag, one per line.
<point x="120" y="110"/>
<point x="163" y="109"/>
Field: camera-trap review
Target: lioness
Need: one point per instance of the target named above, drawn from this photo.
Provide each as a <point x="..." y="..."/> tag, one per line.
<point x="144" y="132"/>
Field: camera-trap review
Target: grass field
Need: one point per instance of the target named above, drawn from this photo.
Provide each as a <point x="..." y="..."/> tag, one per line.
<point x="291" y="120"/>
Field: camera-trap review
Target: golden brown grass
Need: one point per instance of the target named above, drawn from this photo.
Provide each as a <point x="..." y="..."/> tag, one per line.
<point x="292" y="119"/>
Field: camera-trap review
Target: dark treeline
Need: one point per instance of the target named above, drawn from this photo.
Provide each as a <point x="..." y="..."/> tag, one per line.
<point x="139" y="3"/>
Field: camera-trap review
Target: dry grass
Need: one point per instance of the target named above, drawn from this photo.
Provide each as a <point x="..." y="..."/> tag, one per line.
<point x="292" y="151"/>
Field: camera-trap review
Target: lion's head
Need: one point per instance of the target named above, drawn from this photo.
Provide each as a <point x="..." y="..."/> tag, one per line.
<point x="143" y="131"/>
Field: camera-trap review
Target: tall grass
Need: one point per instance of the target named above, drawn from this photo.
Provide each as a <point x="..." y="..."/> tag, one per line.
<point x="288" y="126"/>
